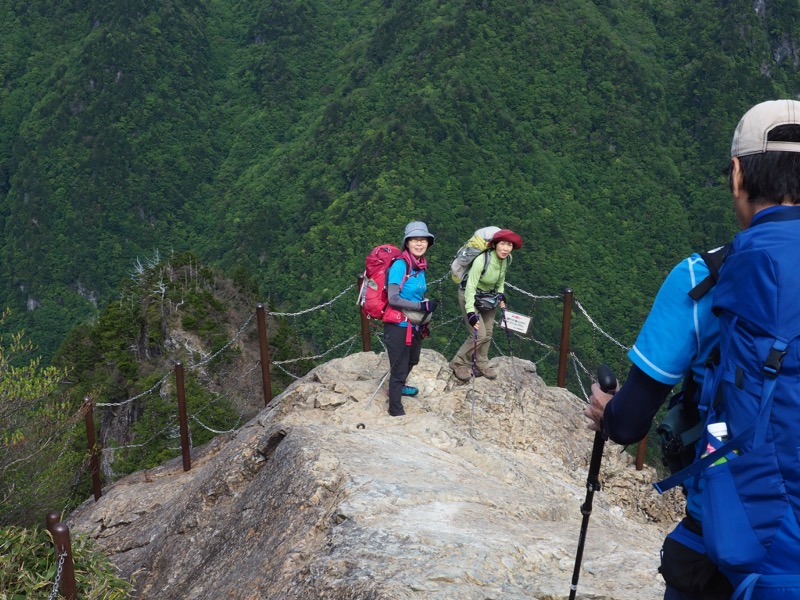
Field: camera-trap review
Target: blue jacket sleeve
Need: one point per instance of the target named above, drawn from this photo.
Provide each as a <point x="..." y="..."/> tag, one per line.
<point x="629" y="414"/>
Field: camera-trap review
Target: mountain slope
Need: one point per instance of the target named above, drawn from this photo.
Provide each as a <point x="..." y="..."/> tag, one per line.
<point x="287" y="137"/>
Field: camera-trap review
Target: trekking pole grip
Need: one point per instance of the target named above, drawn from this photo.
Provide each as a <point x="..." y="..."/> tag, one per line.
<point x="608" y="383"/>
<point x="606" y="378"/>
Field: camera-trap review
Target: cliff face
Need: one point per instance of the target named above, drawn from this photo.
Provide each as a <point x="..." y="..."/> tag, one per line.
<point x="323" y="495"/>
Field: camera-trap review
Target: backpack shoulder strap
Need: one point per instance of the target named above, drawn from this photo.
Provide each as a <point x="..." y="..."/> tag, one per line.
<point x="407" y="263"/>
<point x="464" y="278"/>
<point x="713" y="259"/>
<point x="486" y="260"/>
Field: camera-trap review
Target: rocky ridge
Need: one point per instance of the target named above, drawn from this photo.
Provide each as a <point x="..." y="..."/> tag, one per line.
<point x="474" y="494"/>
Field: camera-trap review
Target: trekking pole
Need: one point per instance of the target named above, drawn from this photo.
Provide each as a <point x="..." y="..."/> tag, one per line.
<point x="608" y="382"/>
<point x="474" y="375"/>
<point x="380" y="383"/>
<point x="511" y="353"/>
<point x="508" y="336"/>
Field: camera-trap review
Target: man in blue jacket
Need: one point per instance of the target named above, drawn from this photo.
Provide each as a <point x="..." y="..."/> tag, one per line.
<point x="674" y="342"/>
<point x="680" y="332"/>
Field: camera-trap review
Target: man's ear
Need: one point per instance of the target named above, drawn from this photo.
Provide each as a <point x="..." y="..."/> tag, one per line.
<point x="737" y="177"/>
<point x="744" y="209"/>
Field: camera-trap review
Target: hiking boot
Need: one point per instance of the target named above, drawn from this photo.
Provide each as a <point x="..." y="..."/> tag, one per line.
<point x="462" y="373"/>
<point x="409" y="390"/>
<point x="397" y="413"/>
<point x="489" y="373"/>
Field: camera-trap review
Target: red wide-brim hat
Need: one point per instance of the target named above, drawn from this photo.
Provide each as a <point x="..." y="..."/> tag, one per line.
<point x="506" y="235"/>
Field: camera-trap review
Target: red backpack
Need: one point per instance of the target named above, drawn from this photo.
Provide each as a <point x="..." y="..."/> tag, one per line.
<point x="373" y="296"/>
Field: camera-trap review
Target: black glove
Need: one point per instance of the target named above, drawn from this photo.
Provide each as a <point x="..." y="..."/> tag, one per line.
<point x="501" y="297"/>
<point x="428" y="305"/>
<point x="473" y="319"/>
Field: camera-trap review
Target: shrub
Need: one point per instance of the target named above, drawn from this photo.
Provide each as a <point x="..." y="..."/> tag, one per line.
<point x="28" y="567"/>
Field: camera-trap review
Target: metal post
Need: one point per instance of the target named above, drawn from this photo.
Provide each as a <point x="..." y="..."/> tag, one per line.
<point x="366" y="338"/>
<point x="640" y="452"/>
<point x="564" y="347"/>
<point x="266" y="378"/>
<point x="182" y="418"/>
<point x="88" y="407"/>
<point x="64" y="548"/>
<point x="51" y="519"/>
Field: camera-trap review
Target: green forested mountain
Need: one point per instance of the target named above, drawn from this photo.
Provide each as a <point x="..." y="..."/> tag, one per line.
<point x="284" y="138"/>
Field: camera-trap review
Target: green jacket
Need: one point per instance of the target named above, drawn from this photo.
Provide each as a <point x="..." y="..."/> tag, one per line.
<point x="493" y="279"/>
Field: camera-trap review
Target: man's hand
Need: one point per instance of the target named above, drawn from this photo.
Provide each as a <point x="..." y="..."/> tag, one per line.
<point x="597" y="405"/>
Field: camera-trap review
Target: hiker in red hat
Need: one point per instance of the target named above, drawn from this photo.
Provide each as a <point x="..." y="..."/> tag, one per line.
<point x="480" y="295"/>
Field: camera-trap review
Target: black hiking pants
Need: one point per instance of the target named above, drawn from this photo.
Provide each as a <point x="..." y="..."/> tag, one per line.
<point x="402" y="358"/>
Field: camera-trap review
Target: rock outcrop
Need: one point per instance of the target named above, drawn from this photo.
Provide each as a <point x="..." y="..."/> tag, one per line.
<point x="474" y="494"/>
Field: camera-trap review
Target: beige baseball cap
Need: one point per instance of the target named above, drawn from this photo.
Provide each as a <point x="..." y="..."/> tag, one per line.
<point x="751" y="133"/>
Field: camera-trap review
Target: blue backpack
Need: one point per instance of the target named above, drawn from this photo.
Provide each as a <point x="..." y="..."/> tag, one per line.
<point x="751" y="495"/>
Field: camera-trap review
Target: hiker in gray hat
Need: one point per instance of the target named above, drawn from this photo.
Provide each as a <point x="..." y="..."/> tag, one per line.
<point x="405" y="321"/>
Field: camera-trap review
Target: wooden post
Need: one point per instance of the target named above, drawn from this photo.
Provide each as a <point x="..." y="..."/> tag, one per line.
<point x="564" y="347"/>
<point x="266" y="378"/>
<point x="182" y="417"/>
<point x="64" y="548"/>
<point x="366" y="338"/>
<point x="88" y="407"/>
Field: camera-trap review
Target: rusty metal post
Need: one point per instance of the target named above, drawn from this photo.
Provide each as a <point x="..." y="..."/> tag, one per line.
<point x="366" y="338"/>
<point x="88" y="407"/>
<point x="640" y="452"/>
<point x="564" y="347"/>
<point x="64" y="548"/>
<point x="266" y="378"/>
<point x="182" y="418"/>
<point x="51" y="519"/>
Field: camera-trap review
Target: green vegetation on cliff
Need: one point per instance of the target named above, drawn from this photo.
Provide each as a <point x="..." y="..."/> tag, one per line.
<point x="289" y="136"/>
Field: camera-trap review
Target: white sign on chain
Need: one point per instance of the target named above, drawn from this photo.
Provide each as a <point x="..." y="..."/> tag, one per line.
<point x="516" y="322"/>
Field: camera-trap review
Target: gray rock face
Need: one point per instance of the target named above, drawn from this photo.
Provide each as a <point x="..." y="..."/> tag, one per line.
<point x="323" y="495"/>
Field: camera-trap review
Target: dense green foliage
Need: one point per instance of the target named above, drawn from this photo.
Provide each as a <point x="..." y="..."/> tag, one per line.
<point x="288" y="136"/>
<point x="36" y="459"/>
<point x="279" y="140"/>
<point x="28" y="567"/>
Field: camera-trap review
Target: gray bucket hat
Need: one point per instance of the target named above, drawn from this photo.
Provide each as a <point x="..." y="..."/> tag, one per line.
<point x="417" y="229"/>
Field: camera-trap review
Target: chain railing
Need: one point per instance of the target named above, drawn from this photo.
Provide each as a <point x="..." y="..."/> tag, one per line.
<point x="57" y="582"/>
<point x="446" y="330"/>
